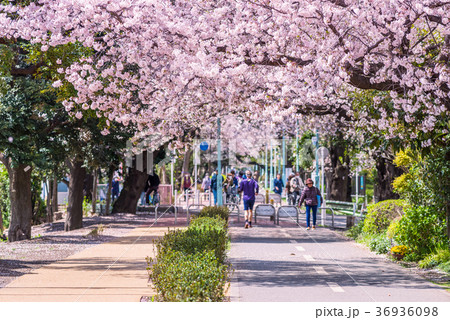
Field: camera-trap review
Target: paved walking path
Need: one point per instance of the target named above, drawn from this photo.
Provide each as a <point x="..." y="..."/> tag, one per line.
<point x="289" y="263"/>
<point x="109" y="272"/>
<point x="272" y="263"/>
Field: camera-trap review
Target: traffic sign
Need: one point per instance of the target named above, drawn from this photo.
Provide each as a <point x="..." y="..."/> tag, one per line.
<point x="204" y="146"/>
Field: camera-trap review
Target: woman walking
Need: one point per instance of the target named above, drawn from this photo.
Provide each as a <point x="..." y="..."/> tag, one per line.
<point x="310" y="195"/>
<point x="278" y="185"/>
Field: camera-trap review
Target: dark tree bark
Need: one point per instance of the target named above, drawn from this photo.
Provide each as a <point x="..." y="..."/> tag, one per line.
<point x="386" y="173"/>
<point x="21" y="206"/>
<point x="74" y="218"/>
<point x="94" y="192"/>
<point x="55" y="195"/>
<point x="339" y="176"/>
<point x="49" y="186"/>
<point x="108" y="192"/>
<point x="88" y="186"/>
<point x="132" y="188"/>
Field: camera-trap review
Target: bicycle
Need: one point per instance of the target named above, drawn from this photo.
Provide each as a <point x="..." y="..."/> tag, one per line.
<point x="293" y="199"/>
<point x="155" y="198"/>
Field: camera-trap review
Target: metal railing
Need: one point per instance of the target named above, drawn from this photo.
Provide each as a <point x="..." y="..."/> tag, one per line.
<point x="272" y="212"/>
<point x="228" y="205"/>
<point x="192" y="205"/>
<point x="297" y="214"/>
<point x="332" y="214"/>
<point x="175" y="210"/>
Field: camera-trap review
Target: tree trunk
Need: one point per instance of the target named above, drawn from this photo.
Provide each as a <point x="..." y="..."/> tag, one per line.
<point x="108" y="192"/>
<point x="386" y="173"/>
<point x="186" y="162"/>
<point x="74" y="218"/>
<point x="55" y="195"/>
<point x="87" y="186"/>
<point x="339" y="177"/>
<point x="49" y="186"/>
<point x="21" y="206"/>
<point x="94" y="192"/>
<point x="129" y="196"/>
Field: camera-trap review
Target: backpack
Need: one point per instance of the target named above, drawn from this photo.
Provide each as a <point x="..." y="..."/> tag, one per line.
<point x="295" y="183"/>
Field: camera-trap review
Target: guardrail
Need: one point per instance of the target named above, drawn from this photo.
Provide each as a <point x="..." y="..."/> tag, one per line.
<point x="175" y="210"/>
<point x="283" y="211"/>
<point x="347" y="206"/>
<point x="267" y="210"/>
<point x="332" y="214"/>
<point x="276" y="198"/>
<point x="192" y="205"/>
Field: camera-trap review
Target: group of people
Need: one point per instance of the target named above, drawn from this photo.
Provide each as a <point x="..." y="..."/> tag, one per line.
<point x="245" y="183"/>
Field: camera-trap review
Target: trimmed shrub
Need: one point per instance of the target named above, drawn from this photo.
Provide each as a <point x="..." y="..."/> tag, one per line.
<point x="212" y="212"/>
<point x="195" y="239"/>
<point x="216" y="223"/>
<point x="189" y="277"/>
<point x="380" y="215"/>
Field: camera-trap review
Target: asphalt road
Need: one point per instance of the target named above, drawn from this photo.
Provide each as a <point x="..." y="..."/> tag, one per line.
<point x="291" y="264"/>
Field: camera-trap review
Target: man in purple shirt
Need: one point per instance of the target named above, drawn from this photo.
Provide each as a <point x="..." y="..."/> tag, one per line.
<point x="249" y="188"/>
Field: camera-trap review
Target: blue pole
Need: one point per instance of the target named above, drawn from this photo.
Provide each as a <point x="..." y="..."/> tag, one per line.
<point x="317" y="178"/>
<point x="219" y="167"/>
<point x="266" y="172"/>
<point x="271" y="166"/>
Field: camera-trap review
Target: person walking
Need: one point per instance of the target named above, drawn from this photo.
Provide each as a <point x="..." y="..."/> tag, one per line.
<point x="290" y="191"/>
<point x="214" y="186"/>
<point x="249" y="187"/>
<point x="297" y="185"/>
<point x="278" y="184"/>
<point x="115" y="188"/>
<point x="206" y="183"/>
<point x="310" y="195"/>
<point x="227" y="187"/>
<point x="186" y="184"/>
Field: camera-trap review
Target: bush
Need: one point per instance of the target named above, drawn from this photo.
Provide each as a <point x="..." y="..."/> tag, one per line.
<point x="380" y="244"/>
<point x="421" y="230"/>
<point x="208" y="223"/>
<point x="5" y="210"/>
<point x="355" y="231"/>
<point x="197" y="238"/>
<point x="380" y="215"/>
<point x="189" y="277"/>
<point x="189" y="264"/>
<point x="440" y="256"/>
<point x="212" y="212"/>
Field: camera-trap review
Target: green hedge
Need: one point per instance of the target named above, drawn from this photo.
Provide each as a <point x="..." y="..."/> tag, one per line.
<point x="190" y="264"/>
<point x="380" y="215"/>
<point x="197" y="277"/>
<point x="195" y="240"/>
<point x="212" y="212"/>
